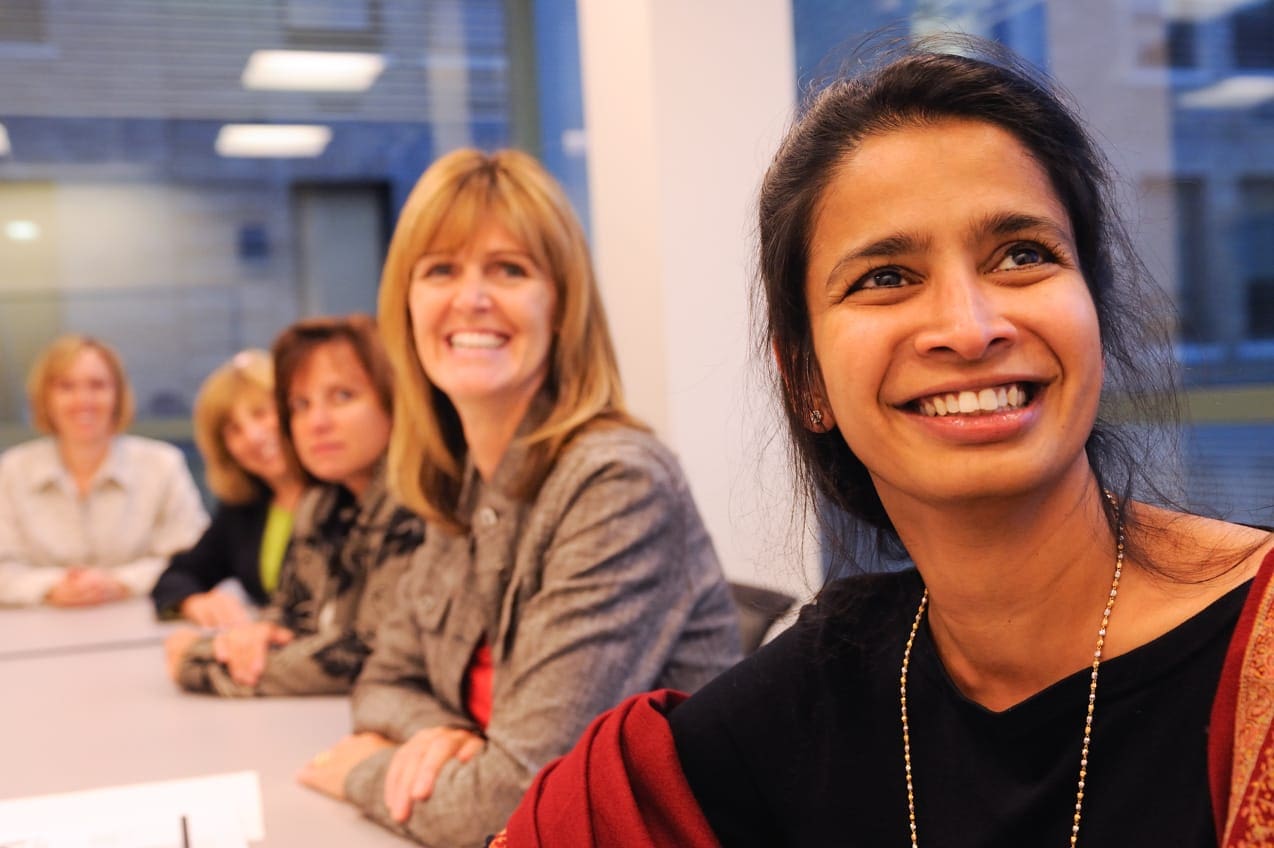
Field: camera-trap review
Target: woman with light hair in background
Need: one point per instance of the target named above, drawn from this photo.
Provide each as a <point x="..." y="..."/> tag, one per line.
<point x="565" y="564"/>
<point x="257" y="483"/>
<point x="89" y="515"/>
<point x="351" y="539"/>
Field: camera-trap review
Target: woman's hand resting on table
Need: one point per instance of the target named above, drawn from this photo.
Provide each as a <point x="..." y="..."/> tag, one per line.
<point x="412" y="771"/>
<point x="328" y="770"/>
<point x="214" y="609"/>
<point x="416" y="764"/>
<point x="243" y="649"/>
<point x="83" y="587"/>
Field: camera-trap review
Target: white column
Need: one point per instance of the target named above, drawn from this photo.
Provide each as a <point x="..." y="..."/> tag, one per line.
<point x="684" y="104"/>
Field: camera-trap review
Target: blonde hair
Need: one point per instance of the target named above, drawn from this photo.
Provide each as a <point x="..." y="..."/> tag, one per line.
<point x="452" y="199"/>
<point x="56" y="359"/>
<point x="246" y="372"/>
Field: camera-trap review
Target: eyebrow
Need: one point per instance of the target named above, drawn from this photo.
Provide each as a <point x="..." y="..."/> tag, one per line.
<point x="1008" y="223"/>
<point x="891" y="245"/>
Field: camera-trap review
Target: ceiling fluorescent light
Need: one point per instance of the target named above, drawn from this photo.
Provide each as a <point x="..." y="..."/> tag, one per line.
<point x="1202" y="10"/>
<point x="4" y="141"/>
<point x="1239" y="92"/>
<point x="22" y="230"/>
<point x="280" y="141"/>
<point x="311" y="70"/>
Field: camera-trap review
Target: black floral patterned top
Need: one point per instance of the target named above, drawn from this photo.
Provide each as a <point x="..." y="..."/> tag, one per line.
<point x="338" y="582"/>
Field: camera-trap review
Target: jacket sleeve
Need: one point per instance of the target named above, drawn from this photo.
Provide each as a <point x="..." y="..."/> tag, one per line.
<point x="612" y="599"/>
<point x="318" y="664"/>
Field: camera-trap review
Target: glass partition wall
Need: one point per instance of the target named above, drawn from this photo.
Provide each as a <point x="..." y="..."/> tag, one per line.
<point x="183" y="179"/>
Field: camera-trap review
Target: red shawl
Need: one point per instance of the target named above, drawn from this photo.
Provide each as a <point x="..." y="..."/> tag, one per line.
<point x="1241" y="745"/>
<point x="621" y="786"/>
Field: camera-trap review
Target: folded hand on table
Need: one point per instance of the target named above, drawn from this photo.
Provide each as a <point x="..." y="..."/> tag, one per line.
<point x="416" y="764"/>
<point x="81" y="587"/>
<point x="328" y="770"/>
<point x="214" y="608"/>
<point x="243" y="649"/>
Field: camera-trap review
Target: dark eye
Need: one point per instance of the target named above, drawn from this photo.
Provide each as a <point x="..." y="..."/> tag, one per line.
<point x="298" y="404"/>
<point x="511" y="269"/>
<point x="433" y="270"/>
<point x="882" y="278"/>
<point x="1024" y="255"/>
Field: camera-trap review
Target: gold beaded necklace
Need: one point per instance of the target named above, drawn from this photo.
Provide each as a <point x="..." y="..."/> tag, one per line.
<point x="1092" y="692"/>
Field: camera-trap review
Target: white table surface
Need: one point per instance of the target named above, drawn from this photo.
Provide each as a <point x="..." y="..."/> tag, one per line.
<point x="35" y="631"/>
<point x="98" y="718"/>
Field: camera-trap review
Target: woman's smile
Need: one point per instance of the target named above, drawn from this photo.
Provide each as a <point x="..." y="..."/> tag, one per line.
<point x="482" y="316"/>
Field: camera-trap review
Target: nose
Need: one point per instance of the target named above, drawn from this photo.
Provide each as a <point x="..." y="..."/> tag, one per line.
<point x="966" y="319"/>
<point x="472" y="294"/>
<point x="316" y="418"/>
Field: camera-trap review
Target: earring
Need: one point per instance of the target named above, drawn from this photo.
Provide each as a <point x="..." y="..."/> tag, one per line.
<point x="816" y="419"/>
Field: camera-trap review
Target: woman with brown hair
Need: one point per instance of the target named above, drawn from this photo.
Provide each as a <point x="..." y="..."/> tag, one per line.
<point x="89" y="514"/>
<point x="350" y="542"/>
<point x="257" y="484"/>
<point x="566" y="565"/>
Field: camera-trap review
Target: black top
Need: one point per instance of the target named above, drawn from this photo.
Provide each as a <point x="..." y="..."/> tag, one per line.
<point x="230" y="547"/>
<point x="801" y="744"/>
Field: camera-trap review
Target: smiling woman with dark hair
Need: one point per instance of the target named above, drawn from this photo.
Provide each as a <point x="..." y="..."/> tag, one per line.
<point x="949" y="300"/>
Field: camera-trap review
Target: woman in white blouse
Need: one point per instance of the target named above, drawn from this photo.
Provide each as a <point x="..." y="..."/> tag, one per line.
<point x="88" y="515"/>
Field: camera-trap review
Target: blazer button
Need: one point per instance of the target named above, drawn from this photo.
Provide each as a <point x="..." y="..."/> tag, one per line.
<point x="487" y="517"/>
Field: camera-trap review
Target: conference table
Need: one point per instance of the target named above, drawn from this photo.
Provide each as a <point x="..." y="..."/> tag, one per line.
<point x="87" y="704"/>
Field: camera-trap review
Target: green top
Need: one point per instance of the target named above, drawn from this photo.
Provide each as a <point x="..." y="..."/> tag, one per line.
<point x="274" y="543"/>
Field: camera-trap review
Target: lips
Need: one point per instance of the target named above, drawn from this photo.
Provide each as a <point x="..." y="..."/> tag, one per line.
<point x="972" y="402"/>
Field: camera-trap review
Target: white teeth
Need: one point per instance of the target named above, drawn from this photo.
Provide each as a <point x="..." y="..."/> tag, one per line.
<point x="1011" y="396"/>
<point x="476" y="340"/>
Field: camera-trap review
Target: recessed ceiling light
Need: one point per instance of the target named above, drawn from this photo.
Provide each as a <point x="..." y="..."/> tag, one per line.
<point x="1239" y="92"/>
<point x="22" y="230"/>
<point x="1201" y="10"/>
<point x="311" y="70"/>
<point x="281" y="141"/>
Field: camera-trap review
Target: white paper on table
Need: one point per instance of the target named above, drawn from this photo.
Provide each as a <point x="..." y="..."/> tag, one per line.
<point x="221" y="811"/>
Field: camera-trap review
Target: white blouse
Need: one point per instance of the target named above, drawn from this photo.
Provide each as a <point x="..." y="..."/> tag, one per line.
<point x="142" y="506"/>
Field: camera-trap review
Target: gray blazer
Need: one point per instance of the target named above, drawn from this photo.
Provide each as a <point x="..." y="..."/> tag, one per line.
<point x="605" y="585"/>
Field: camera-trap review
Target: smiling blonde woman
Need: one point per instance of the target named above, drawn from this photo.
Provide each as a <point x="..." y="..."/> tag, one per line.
<point x="89" y="515"/>
<point x="257" y="483"/>
<point x="565" y="564"/>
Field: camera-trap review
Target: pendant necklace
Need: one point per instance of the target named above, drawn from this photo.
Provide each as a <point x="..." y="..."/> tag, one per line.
<point x="1092" y="693"/>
